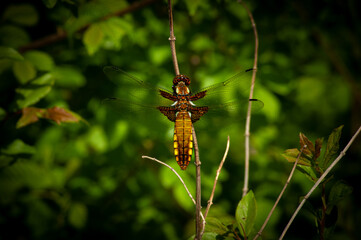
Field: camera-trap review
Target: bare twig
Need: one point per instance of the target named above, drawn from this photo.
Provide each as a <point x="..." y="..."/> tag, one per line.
<point x="60" y="35"/>
<point x="216" y="179"/>
<point x="342" y="153"/>
<point x="198" y="188"/>
<point x="175" y="172"/>
<point x="180" y="178"/>
<point x="279" y="197"/>
<point x="210" y="201"/>
<point x="172" y="39"/>
<point x="248" y="119"/>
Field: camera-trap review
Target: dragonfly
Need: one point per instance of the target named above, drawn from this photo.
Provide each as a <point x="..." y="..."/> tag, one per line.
<point x="179" y="104"/>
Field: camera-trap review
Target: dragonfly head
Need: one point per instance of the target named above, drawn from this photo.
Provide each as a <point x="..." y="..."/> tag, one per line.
<point x="181" y="78"/>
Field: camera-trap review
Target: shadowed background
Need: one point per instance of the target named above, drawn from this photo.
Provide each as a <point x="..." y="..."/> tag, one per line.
<point x="78" y="180"/>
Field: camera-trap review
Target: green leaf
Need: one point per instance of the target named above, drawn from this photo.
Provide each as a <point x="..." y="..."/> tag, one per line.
<point x="49" y="3"/>
<point x="34" y="91"/>
<point x="18" y="147"/>
<point x="215" y="225"/>
<point x="23" y="14"/>
<point x="339" y="191"/>
<point x="10" y="53"/>
<point x="292" y="154"/>
<point x="206" y="236"/>
<point x="13" y="36"/>
<point x="246" y="214"/>
<point x="78" y="214"/>
<point x="68" y="77"/>
<point x="331" y="147"/>
<point x="93" y="38"/>
<point x="41" y="60"/>
<point x="114" y="30"/>
<point x="309" y="172"/>
<point x="24" y="71"/>
<point x="209" y="236"/>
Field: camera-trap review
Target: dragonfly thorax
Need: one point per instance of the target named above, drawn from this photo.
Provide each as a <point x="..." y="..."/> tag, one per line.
<point x="181" y="89"/>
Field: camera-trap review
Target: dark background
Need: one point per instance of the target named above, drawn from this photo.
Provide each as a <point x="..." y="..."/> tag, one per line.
<point x="78" y="180"/>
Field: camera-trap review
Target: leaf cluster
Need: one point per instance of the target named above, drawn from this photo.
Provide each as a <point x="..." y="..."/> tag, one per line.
<point x="312" y="163"/>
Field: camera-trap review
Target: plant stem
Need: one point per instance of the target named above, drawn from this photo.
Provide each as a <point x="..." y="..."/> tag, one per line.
<point x="172" y="39"/>
<point x="210" y="201"/>
<point x="248" y="119"/>
<point x="198" y="187"/>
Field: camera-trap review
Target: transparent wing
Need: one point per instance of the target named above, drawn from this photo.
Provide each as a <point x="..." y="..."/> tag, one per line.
<point x="133" y="93"/>
<point x="230" y="95"/>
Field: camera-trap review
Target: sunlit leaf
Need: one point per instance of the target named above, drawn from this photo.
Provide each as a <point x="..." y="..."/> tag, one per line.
<point x="41" y="60"/>
<point x="292" y="154"/>
<point x="24" y="71"/>
<point x="331" y="147"/>
<point x="10" y="53"/>
<point x="246" y="214"/>
<point x="93" y="38"/>
<point x="18" y="147"/>
<point x="67" y="76"/>
<point x="114" y="30"/>
<point x="35" y="90"/>
<point x="97" y="139"/>
<point x="23" y="14"/>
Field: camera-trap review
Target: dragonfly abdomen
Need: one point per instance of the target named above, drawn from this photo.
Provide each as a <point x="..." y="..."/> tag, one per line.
<point x="183" y="140"/>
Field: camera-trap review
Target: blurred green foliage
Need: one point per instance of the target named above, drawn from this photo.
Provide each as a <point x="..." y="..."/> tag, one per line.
<point x="78" y="180"/>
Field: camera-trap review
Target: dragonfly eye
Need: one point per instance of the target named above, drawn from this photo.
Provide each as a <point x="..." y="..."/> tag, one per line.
<point x="181" y="78"/>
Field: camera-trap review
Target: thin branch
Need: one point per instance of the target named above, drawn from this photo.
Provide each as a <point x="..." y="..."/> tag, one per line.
<point x="210" y="201"/>
<point x="281" y="194"/>
<point x="61" y="34"/>
<point x="175" y="172"/>
<point x="172" y="39"/>
<point x="248" y="119"/>
<point x="198" y="188"/>
<point x="342" y="153"/>
<point x="180" y="178"/>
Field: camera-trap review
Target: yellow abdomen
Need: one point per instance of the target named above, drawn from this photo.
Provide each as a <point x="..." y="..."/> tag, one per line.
<point x="183" y="140"/>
